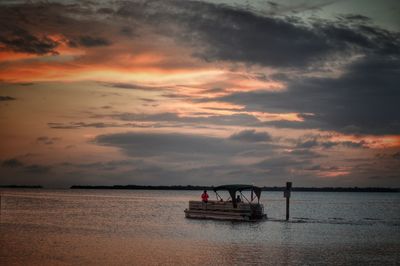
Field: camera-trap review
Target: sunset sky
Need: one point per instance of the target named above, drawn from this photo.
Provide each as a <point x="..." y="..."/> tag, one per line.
<point x="200" y="93"/>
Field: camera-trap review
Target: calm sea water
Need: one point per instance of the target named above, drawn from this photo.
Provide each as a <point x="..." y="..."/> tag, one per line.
<point x="118" y="227"/>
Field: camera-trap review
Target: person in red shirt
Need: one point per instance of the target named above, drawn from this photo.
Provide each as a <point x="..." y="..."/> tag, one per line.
<point x="204" y="196"/>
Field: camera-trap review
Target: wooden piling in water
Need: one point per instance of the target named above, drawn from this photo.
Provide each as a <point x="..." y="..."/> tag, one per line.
<point x="286" y="194"/>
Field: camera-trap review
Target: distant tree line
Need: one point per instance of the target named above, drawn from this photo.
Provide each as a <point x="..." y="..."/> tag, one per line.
<point x="189" y="187"/>
<point x="19" y="186"/>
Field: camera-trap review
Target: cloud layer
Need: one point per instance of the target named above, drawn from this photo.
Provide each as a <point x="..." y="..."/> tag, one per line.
<point x="195" y="92"/>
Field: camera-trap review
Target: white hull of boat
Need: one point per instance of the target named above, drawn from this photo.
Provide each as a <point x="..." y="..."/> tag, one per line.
<point x="225" y="211"/>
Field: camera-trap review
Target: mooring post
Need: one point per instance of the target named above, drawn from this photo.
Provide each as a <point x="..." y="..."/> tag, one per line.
<point x="286" y="194"/>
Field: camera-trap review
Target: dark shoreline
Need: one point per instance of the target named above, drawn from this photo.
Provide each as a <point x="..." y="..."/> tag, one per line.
<point x="304" y="189"/>
<point x="19" y="186"/>
<point x="197" y="188"/>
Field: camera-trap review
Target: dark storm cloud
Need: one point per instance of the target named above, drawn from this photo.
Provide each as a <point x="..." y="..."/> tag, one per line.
<point x="363" y="100"/>
<point x="251" y="136"/>
<point x="6" y="98"/>
<point x="20" y="40"/>
<point x="225" y="33"/>
<point x="155" y="144"/>
<point x="222" y="32"/>
<point x="244" y="37"/>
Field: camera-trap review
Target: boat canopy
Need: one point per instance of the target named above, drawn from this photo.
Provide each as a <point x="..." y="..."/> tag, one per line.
<point x="232" y="189"/>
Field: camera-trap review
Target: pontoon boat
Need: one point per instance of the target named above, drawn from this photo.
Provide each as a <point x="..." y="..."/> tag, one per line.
<point x="246" y="210"/>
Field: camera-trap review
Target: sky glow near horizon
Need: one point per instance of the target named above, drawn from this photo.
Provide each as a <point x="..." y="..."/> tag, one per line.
<point x="200" y="93"/>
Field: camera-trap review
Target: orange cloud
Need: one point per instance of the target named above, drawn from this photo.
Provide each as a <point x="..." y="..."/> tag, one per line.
<point x="374" y="142"/>
<point x="333" y="173"/>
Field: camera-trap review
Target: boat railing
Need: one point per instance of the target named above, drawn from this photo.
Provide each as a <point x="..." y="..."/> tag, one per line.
<point x="225" y="205"/>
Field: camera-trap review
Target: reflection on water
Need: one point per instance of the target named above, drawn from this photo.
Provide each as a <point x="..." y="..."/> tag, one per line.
<point x="148" y="227"/>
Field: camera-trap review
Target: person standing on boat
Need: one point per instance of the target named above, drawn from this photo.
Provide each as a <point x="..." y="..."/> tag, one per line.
<point x="204" y="196"/>
<point x="238" y="199"/>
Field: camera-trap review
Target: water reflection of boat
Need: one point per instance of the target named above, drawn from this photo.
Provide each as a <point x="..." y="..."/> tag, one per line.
<point x="230" y="209"/>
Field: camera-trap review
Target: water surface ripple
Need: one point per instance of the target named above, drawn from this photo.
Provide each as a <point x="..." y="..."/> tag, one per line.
<point x="122" y="227"/>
